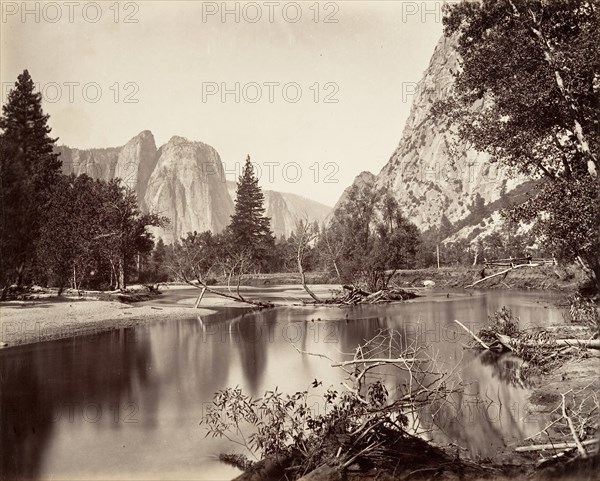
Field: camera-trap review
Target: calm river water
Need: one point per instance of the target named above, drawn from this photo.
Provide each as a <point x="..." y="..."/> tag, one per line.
<point x="127" y="403"/>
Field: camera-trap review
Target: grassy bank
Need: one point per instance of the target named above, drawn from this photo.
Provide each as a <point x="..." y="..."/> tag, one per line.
<point x="544" y="277"/>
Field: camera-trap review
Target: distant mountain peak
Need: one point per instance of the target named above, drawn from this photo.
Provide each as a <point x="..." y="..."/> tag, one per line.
<point x="421" y="174"/>
<point x="178" y="180"/>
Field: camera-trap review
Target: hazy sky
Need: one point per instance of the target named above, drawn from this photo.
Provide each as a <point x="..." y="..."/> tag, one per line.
<point x="109" y="70"/>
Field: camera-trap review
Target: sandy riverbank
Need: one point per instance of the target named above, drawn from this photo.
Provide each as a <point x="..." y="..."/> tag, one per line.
<point x="49" y="318"/>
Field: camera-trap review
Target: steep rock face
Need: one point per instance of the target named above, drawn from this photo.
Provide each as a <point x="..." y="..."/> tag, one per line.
<point x="362" y="180"/>
<point x="285" y="210"/>
<point x="136" y="162"/>
<point x="184" y="181"/>
<point x="185" y="187"/>
<point x="421" y="172"/>
<point x="97" y="163"/>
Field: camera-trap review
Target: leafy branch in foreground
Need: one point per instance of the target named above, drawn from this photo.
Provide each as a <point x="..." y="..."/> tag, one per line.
<point x="366" y="424"/>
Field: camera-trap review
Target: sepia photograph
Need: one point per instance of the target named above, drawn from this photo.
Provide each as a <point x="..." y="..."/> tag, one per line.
<point x="303" y="240"/>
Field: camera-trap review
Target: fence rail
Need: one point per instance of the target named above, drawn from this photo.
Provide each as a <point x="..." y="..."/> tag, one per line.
<point x="511" y="261"/>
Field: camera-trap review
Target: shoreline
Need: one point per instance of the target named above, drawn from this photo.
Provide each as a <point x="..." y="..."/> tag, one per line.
<point x="43" y="316"/>
<point x="48" y="319"/>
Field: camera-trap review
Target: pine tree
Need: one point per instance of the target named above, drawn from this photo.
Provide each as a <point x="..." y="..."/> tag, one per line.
<point x="445" y="229"/>
<point x="250" y="229"/>
<point x="28" y="170"/>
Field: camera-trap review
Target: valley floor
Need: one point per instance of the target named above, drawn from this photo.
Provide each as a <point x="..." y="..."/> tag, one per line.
<point x="45" y="317"/>
<point x="545" y="277"/>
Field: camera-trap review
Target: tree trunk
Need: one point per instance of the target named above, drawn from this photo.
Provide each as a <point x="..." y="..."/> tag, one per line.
<point x="596" y="271"/>
<point x="20" y="270"/>
<point x="121" y="277"/>
<point x="303" y="277"/>
<point x="536" y="29"/>
<point x="592" y="268"/>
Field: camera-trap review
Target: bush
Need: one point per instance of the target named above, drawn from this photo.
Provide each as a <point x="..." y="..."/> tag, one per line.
<point x="502" y="322"/>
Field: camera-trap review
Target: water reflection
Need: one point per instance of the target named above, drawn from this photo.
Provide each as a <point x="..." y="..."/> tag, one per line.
<point x="161" y="376"/>
<point x="90" y="379"/>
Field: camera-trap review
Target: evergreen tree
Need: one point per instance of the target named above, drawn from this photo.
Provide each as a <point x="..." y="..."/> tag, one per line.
<point x="29" y="168"/>
<point x="250" y="230"/>
<point x="158" y="261"/>
<point x="445" y="229"/>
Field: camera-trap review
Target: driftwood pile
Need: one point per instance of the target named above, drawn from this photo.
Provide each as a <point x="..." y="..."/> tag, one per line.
<point x="354" y="295"/>
<point x="506" y="343"/>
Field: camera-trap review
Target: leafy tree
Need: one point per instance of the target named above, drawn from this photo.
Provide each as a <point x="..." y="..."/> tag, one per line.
<point x="69" y="232"/>
<point x="196" y="256"/>
<point x="249" y="230"/>
<point x="445" y="229"/>
<point x="531" y="67"/>
<point x="125" y="228"/>
<point x="28" y="170"/>
<point x="91" y="232"/>
<point x="478" y="207"/>
<point x="376" y="238"/>
<point x="351" y="228"/>
<point x="157" y="271"/>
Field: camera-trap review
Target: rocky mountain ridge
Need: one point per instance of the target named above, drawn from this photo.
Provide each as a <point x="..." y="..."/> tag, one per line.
<point x="184" y="181"/>
<point x="432" y="176"/>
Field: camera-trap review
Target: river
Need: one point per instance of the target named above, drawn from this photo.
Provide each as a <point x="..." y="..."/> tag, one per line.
<point x="127" y="403"/>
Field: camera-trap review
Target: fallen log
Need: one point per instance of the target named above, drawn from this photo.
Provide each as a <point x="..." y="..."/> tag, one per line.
<point x="583" y="343"/>
<point x="485" y="346"/>
<point x="505" y="271"/>
<point x="544" y="447"/>
<point x="354" y="295"/>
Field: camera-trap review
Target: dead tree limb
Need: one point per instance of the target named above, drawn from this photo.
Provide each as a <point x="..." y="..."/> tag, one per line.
<point x="505" y="271"/>
<point x="580" y="448"/>
<point x="304" y="236"/>
<point x="485" y="346"/>
<point x="550" y="446"/>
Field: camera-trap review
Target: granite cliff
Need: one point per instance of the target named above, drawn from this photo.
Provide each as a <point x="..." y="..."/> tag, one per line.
<point x="183" y="180"/>
<point x="427" y="180"/>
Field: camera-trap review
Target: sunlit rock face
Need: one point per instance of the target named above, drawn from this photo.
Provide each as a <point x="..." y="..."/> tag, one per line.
<point x="97" y="163"/>
<point x="285" y="210"/>
<point x="421" y="173"/>
<point x="187" y="187"/>
<point x="136" y="162"/>
<point x="184" y="181"/>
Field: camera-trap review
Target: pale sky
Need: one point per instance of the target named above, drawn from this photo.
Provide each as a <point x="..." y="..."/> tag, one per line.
<point x="175" y="58"/>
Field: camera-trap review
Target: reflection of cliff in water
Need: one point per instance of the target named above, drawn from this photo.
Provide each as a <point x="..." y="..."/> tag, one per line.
<point x="40" y="384"/>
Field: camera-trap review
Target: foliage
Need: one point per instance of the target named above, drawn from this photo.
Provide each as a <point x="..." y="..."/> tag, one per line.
<point x="363" y="424"/>
<point x="282" y="424"/>
<point x="91" y="231"/>
<point x="502" y="322"/>
<point x="535" y="346"/>
<point x="196" y="256"/>
<point x="369" y="238"/>
<point x="585" y="312"/>
<point x="156" y="269"/>
<point x="28" y="169"/>
<point x="527" y="94"/>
